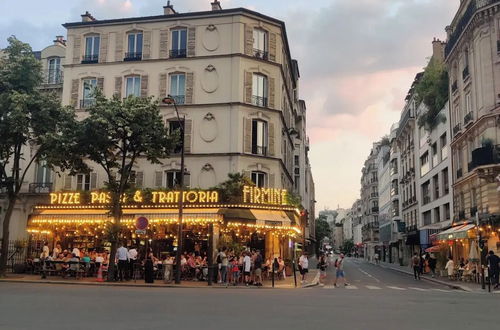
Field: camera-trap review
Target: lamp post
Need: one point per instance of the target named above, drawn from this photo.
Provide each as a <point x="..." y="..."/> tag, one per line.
<point x="171" y="100"/>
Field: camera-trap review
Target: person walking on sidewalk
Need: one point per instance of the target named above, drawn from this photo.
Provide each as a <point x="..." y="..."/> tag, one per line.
<point x="303" y="266"/>
<point x="493" y="268"/>
<point x="450" y="267"/>
<point x="432" y="264"/>
<point x="122" y="257"/>
<point x="322" y="265"/>
<point x="339" y="274"/>
<point x="415" y="261"/>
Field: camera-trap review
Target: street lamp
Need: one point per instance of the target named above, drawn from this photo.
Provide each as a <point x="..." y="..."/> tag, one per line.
<point x="170" y="100"/>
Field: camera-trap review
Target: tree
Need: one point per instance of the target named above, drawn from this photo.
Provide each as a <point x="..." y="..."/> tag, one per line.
<point x="348" y="246"/>
<point x="33" y="126"/>
<point x="115" y="135"/>
<point x="322" y="230"/>
<point x="231" y="190"/>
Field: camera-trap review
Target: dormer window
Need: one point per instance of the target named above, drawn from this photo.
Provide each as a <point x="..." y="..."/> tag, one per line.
<point x="54" y="71"/>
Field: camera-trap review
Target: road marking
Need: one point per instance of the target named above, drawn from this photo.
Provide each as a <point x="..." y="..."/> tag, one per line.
<point x="369" y="275"/>
<point x="329" y="287"/>
<point x="351" y="287"/>
<point x="418" y="289"/>
<point x="442" y="290"/>
<point x="372" y="287"/>
<point x="396" y="288"/>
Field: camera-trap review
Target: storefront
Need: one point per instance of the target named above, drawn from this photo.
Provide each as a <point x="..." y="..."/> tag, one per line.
<point x="262" y="220"/>
<point x="457" y="242"/>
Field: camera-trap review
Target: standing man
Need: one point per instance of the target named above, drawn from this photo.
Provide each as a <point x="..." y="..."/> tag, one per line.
<point x="415" y="262"/>
<point x="122" y="256"/>
<point x="493" y="268"/>
<point x="132" y="257"/>
<point x="339" y="274"/>
<point x="303" y="265"/>
<point x="247" y="265"/>
<point x="258" y="269"/>
<point x="432" y="264"/>
<point x="223" y="267"/>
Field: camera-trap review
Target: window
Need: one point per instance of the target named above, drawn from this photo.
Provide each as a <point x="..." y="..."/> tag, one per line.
<point x="83" y="182"/>
<point x="89" y="86"/>
<point x="173" y="179"/>
<point x="435" y="183"/>
<point x="259" y="137"/>
<point x="91" y="49"/>
<point x="259" y="90"/>
<point x="447" y="211"/>
<point x="424" y="164"/>
<point x="426" y="198"/>
<point x="427" y="218"/>
<point x="43" y="172"/>
<point x="174" y="127"/>
<point x="54" y="71"/>
<point x="296" y="182"/>
<point x="178" y="87"/>
<point x="435" y="160"/>
<point x="260" y="44"/>
<point x="179" y="42"/>
<point x="446" y="186"/>
<point x="296" y="160"/>
<point x="259" y="178"/>
<point x="133" y="86"/>
<point x="134" y="50"/>
<point x="444" y="147"/>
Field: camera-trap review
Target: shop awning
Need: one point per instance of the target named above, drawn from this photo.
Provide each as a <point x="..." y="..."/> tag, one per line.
<point x="456" y="232"/>
<point x="435" y="248"/>
<point x="271" y="218"/>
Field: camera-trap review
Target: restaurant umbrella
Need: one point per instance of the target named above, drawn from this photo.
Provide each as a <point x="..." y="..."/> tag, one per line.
<point x="473" y="253"/>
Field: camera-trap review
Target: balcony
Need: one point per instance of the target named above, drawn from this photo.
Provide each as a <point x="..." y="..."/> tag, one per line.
<point x="465" y="73"/>
<point x="90" y="59"/>
<point x="40" y="188"/>
<point x="178" y="53"/>
<point x="262" y="54"/>
<point x="52" y="77"/>
<point x="374" y="195"/>
<point x="487" y="155"/>
<point x="468" y="119"/>
<point x="375" y="209"/>
<point x="87" y="103"/>
<point x="133" y="57"/>
<point x="259" y="150"/>
<point x="259" y="101"/>
<point x="179" y="99"/>
<point x="456" y="129"/>
<point x="454" y="87"/>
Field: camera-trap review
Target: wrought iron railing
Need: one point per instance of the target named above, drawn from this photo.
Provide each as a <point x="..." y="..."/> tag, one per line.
<point x="259" y="150"/>
<point x="468" y="118"/>
<point x="86" y="103"/>
<point x="456" y="129"/>
<point x="133" y="56"/>
<point x="178" y="53"/>
<point x="53" y="77"/>
<point x="259" y="101"/>
<point x="89" y="59"/>
<point x="40" y="187"/>
<point x="179" y="99"/>
<point x="465" y="73"/>
<point x="262" y="54"/>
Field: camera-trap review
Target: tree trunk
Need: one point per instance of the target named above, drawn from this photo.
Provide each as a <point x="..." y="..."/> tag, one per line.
<point x="117" y="215"/>
<point x="5" y="237"/>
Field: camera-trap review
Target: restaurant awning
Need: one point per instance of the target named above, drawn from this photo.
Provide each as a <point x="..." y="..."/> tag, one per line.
<point x="456" y="232"/>
<point x="271" y="218"/>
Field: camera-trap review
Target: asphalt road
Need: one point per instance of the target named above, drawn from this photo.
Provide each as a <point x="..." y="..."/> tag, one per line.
<point x="369" y="303"/>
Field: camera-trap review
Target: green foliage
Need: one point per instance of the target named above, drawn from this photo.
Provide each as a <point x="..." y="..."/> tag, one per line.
<point x="322" y="229"/>
<point x="347" y="246"/>
<point x="231" y="190"/>
<point x="432" y="89"/>
<point x="294" y="199"/>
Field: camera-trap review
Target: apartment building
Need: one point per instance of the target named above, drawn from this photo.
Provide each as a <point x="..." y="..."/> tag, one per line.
<point x="357" y="226"/>
<point x="384" y="197"/>
<point x="370" y="203"/>
<point x="233" y="79"/>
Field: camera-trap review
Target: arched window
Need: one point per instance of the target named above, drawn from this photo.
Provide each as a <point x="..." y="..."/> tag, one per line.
<point x="54" y="70"/>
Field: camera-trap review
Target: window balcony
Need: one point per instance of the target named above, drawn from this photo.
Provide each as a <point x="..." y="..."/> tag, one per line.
<point x="262" y="54"/>
<point x="133" y="57"/>
<point x="87" y="103"/>
<point x="487" y="155"/>
<point x="179" y="99"/>
<point x="259" y="101"/>
<point x="53" y="77"/>
<point x="40" y="188"/>
<point x="454" y="87"/>
<point x="456" y="129"/>
<point x="90" y="59"/>
<point x="259" y="150"/>
<point x="468" y="119"/>
<point x="178" y="53"/>
<point x="465" y="73"/>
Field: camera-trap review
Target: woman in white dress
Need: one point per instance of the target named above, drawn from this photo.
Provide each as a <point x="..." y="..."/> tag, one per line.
<point x="450" y="267"/>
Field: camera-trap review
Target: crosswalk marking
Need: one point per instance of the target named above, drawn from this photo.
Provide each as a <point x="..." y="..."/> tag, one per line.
<point x="329" y="287"/>
<point x="351" y="287"/>
<point x="418" y="289"/>
<point x="372" y="287"/>
<point x="441" y="290"/>
<point x="396" y="288"/>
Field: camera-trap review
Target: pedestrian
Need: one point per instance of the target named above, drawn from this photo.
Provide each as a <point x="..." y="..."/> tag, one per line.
<point x="339" y="274"/>
<point x="377" y="258"/>
<point x="432" y="264"/>
<point x="149" y="268"/>
<point x="247" y="266"/>
<point x="303" y="266"/>
<point x="322" y="268"/>
<point x="122" y="256"/>
<point x="493" y="261"/>
<point x="258" y="268"/>
<point x="132" y="259"/>
<point x="168" y="265"/>
<point x="450" y="267"/>
<point x="415" y="262"/>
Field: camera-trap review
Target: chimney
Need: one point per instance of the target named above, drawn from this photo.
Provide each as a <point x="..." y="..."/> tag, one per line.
<point x="60" y="40"/>
<point x="216" y="5"/>
<point x="169" y="9"/>
<point x="87" y="17"/>
<point x="438" y="49"/>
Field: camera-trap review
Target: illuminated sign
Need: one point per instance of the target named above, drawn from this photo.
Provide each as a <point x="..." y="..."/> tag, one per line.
<point x="269" y="196"/>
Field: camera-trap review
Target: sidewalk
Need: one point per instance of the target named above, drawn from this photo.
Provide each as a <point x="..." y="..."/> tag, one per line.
<point x="465" y="286"/>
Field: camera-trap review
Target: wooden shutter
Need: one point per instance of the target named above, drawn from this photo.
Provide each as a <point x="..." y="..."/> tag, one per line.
<point x="271" y="182"/>
<point x="144" y="86"/>
<point x="248" y="87"/>
<point x="163" y="85"/>
<point x="248" y="40"/>
<point x="146" y="45"/>
<point x="119" y="47"/>
<point x="158" y="179"/>
<point x="189" y="88"/>
<point x="93" y="180"/>
<point x="272" y="47"/>
<point x="77" y="52"/>
<point x="191" y="42"/>
<point x="139" y="179"/>
<point x="272" y="92"/>
<point x="75" y="85"/>
<point x="100" y="83"/>
<point x="118" y="87"/>
<point x="188" y="127"/>
<point x="271" y="140"/>
<point x="103" y="52"/>
<point x="67" y="182"/>
<point x="164" y="43"/>
<point x="247" y="139"/>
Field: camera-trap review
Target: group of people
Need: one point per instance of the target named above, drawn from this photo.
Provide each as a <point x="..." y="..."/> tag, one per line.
<point x="339" y="269"/>
<point x="423" y="264"/>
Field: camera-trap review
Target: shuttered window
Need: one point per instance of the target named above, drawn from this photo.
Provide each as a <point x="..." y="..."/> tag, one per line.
<point x="134" y="50"/>
<point x="83" y="182"/>
<point x="259" y="137"/>
<point x="178" y="87"/>
<point x="88" y="98"/>
<point x="179" y="43"/>
<point x="173" y="179"/>
<point x="259" y="178"/>
<point x="259" y="90"/>
<point x="260" y="44"/>
<point x="133" y="86"/>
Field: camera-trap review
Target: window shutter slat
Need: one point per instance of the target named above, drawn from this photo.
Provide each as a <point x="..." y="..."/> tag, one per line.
<point x="189" y="88"/>
<point x="119" y="47"/>
<point x="118" y="87"/>
<point x="164" y="43"/>
<point x="163" y="85"/>
<point x="248" y="40"/>
<point x="75" y="85"/>
<point x="272" y="92"/>
<point x="272" y="46"/>
<point x="158" y="179"/>
<point x="191" y="42"/>
<point x="146" y="45"/>
<point x="139" y="179"/>
<point x="103" y="52"/>
<point x="247" y="143"/>
<point x="100" y="83"/>
<point x="188" y="127"/>
<point x="248" y="87"/>
<point x="77" y="44"/>
<point x="93" y="180"/>
<point x="144" y="85"/>
<point x="271" y="140"/>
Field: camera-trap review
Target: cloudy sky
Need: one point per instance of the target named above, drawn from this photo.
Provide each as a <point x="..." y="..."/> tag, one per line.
<point x="357" y="60"/>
